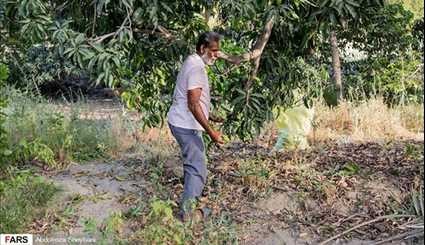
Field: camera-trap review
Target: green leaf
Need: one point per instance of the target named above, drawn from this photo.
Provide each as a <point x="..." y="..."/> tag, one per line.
<point x="91" y="64"/>
<point x="352" y="11"/>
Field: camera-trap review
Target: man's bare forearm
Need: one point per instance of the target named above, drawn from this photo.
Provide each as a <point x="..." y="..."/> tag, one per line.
<point x="197" y="112"/>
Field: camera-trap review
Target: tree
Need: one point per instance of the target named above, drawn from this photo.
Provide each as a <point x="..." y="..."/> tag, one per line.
<point x="329" y="16"/>
<point x="138" y="46"/>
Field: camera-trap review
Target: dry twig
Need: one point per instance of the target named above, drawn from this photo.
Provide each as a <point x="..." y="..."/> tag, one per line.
<point x="364" y="224"/>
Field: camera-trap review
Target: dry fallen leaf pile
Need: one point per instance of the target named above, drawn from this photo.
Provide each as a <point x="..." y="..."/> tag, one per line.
<point x="332" y="187"/>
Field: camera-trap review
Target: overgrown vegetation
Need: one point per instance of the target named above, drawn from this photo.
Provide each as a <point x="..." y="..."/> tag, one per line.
<point x="4" y="147"/>
<point x="370" y="120"/>
<point x="357" y="64"/>
<point x="294" y="58"/>
<point x="37" y="131"/>
<point x="23" y="197"/>
<point x="161" y="226"/>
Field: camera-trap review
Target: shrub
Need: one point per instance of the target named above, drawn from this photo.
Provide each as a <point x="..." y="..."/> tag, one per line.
<point x="39" y="65"/>
<point x="37" y="130"/>
<point x="398" y="81"/>
<point x="21" y="195"/>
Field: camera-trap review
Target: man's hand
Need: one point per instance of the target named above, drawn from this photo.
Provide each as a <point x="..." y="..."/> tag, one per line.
<point x="216" y="136"/>
<point x="194" y="106"/>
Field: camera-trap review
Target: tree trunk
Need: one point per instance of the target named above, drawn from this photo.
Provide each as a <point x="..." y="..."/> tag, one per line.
<point x="336" y="65"/>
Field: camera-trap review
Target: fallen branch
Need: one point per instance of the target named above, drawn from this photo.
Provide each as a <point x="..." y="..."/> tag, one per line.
<point x="400" y="236"/>
<point x="280" y="188"/>
<point x="339" y="222"/>
<point x="364" y="224"/>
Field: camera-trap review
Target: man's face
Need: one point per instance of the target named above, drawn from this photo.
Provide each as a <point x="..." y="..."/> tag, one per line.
<point x="210" y="53"/>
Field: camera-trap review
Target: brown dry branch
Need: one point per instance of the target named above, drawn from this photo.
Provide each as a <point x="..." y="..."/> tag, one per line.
<point x="400" y="237"/>
<point x="365" y="224"/>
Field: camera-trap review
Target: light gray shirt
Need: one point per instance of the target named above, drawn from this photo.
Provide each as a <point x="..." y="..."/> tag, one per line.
<point x="192" y="75"/>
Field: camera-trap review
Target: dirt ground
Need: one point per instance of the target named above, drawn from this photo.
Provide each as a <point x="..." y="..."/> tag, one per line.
<point x="292" y="207"/>
<point x="289" y="197"/>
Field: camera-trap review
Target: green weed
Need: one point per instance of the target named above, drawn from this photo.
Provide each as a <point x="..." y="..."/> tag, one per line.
<point x="21" y="196"/>
<point x="37" y="130"/>
<point x="89" y="226"/>
<point x="257" y="174"/>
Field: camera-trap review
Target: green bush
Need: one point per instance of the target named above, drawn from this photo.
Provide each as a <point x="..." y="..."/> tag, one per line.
<point x="163" y="228"/>
<point x="38" y="66"/>
<point x="399" y="81"/>
<point x="37" y="130"/>
<point x="21" y="196"/>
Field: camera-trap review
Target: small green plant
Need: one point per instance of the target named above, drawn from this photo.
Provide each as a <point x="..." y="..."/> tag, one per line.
<point x="110" y="230"/>
<point x="256" y="174"/>
<point x="411" y="151"/>
<point x="21" y="195"/>
<point x="308" y="180"/>
<point x="156" y="176"/>
<point x="90" y="226"/>
<point x="162" y="227"/>
<point x="35" y="151"/>
<point x="349" y="169"/>
<point x="220" y="230"/>
<point x="135" y="211"/>
<point x="113" y="225"/>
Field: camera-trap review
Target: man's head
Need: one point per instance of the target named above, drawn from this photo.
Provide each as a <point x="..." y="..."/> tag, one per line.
<point x="208" y="47"/>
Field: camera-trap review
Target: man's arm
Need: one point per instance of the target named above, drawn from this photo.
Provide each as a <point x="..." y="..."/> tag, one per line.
<point x="234" y="59"/>
<point x="193" y="97"/>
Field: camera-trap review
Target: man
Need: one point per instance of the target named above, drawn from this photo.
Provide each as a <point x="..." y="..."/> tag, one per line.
<point x="188" y="118"/>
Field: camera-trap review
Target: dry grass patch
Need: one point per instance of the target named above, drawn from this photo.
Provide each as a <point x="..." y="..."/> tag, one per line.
<point x="367" y="121"/>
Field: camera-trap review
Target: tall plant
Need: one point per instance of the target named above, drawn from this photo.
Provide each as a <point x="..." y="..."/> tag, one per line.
<point x="4" y="151"/>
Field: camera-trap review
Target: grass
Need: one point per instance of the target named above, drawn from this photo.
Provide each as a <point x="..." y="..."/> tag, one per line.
<point x="109" y="231"/>
<point x="41" y="131"/>
<point x="257" y="175"/>
<point x="367" y="121"/>
<point x="161" y="227"/>
<point x="22" y="197"/>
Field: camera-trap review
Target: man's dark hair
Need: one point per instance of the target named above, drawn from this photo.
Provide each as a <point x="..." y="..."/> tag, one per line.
<point x="206" y="39"/>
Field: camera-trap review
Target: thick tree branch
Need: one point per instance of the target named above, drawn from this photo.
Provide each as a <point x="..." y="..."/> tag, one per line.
<point x="254" y="54"/>
<point x="165" y="33"/>
<point x="256" y="50"/>
<point x="100" y="39"/>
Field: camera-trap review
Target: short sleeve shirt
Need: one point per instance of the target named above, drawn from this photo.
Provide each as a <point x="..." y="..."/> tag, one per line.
<point x="192" y="75"/>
